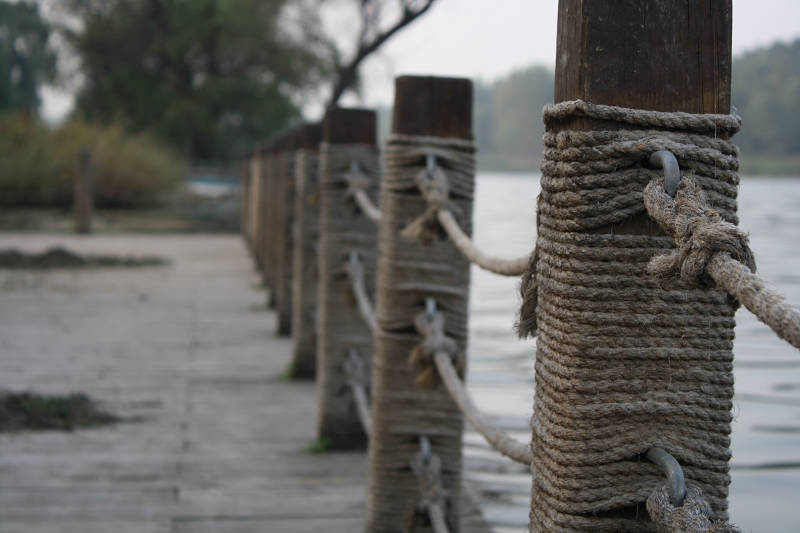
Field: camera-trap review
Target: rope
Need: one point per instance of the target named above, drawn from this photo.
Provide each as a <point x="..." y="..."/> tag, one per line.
<point x="709" y="246"/>
<point x="436" y="348"/>
<point x="504" y="267"/>
<point x="433" y="497"/>
<point x="622" y="363"/>
<point x="358" y="380"/>
<point x="357" y="184"/>
<point x="445" y="164"/>
<point x="694" y="516"/>
<point x="355" y="273"/>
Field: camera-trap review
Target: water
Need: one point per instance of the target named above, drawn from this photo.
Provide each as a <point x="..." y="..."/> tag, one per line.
<point x="766" y="427"/>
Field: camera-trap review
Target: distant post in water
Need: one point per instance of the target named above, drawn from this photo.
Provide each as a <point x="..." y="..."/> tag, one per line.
<point x="304" y="260"/>
<point x="421" y="276"/>
<point x="348" y="142"/>
<point x="82" y="194"/>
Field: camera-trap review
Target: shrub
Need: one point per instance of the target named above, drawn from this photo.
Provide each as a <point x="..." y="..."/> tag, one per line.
<point x="40" y="165"/>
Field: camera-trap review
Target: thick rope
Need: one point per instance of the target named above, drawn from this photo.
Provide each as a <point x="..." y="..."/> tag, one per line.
<point x="709" y="246"/>
<point x="355" y="272"/>
<point x="497" y="438"/>
<point x="358" y="380"/>
<point x="694" y="516"/>
<point x="441" y="213"/>
<point x="623" y="364"/>
<point x="439" y="350"/>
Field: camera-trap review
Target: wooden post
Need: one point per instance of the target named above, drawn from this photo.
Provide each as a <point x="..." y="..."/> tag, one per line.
<point x="669" y="55"/>
<point x="348" y="136"/>
<point x="82" y="196"/>
<point x="306" y="239"/>
<point x="665" y="56"/>
<point x="266" y="222"/>
<point x="409" y="272"/>
<point x="284" y="229"/>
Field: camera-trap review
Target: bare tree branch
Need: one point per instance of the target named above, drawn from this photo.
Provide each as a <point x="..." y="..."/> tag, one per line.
<point x="371" y="38"/>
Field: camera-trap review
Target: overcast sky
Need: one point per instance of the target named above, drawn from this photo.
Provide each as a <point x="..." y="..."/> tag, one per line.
<point x="487" y="39"/>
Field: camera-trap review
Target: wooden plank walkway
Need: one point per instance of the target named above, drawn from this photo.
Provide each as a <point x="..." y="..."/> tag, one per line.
<point x="216" y="438"/>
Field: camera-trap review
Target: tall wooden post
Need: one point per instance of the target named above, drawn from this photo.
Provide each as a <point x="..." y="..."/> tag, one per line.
<point x="410" y="272"/>
<point x="304" y="260"/>
<point x="82" y="197"/>
<point x="348" y="137"/>
<point x="284" y="182"/>
<point x="668" y="55"/>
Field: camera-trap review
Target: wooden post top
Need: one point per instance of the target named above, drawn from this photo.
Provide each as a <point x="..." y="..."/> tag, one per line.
<point x="669" y="55"/>
<point x="427" y="105"/>
<point x="349" y="126"/>
<point x="309" y="136"/>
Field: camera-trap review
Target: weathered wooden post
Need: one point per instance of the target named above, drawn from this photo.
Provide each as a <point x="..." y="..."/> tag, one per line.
<point x="348" y="140"/>
<point x="82" y="195"/>
<point x="432" y="117"/>
<point x="304" y="260"/>
<point x="266" y="221"/>
<point x="284" y="182"/>
<point x="261" y="207"/>
<point x="625" y="362"/>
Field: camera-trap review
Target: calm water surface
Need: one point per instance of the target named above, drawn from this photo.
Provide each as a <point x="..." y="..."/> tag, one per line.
<point x="765" y="493"/>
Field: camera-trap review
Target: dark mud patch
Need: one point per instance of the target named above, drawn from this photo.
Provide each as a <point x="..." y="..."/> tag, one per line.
<point x="28" y="411"/>
<point x="58" y="257"/>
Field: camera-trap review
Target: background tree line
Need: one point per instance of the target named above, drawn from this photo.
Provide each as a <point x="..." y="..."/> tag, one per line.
<point x="765" y="93"/>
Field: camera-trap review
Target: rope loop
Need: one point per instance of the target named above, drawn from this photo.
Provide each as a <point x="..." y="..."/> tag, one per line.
<point x="356" y="371"/>
<point x="699" y="233"/>
<point x="422" y="358"/>
<point x="694" y="516"/>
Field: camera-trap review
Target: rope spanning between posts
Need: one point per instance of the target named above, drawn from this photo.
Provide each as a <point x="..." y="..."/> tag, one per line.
<point x="355" y="273"/>
<point x="439" y="351"/>
<point x="356" y="185"/>
<point x="358" y="381"/>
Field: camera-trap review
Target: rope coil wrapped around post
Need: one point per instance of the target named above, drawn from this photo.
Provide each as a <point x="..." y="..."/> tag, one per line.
<point x="623" y="363"/>
<point x="342" y="229"/>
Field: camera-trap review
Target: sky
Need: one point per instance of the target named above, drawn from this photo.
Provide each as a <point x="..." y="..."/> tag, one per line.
<point x="488" y="39"/>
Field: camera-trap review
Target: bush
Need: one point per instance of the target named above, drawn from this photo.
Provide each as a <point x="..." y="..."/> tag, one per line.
<point x="40" y="164"/>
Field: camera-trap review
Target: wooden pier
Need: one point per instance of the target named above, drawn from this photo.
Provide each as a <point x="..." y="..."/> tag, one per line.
<point x="216" y="438"/>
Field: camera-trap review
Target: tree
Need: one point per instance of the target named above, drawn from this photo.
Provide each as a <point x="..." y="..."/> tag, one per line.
<point x="372" y="34"/>
<point x="209" y="76"/>
<point x="26" y="59"/>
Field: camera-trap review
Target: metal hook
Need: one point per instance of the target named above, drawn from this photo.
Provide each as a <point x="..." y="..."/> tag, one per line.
<point x="425" y="448"/>
<point x="676" y="482"/>
<point x="666" y="160"/>
<point x="430" y="164"/>
<point x="430" y="306"/>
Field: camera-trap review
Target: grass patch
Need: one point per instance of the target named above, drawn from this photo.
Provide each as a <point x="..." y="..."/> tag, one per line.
<point x="27" y="411"/>
<point x="289" y="372"/>
<point x="58" y="257"/>
<point x="321" y="445"/>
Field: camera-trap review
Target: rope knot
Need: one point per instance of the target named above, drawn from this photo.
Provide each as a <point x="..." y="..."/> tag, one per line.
<point x="433" y="186"/>
<point x="694" y="516"/>
<point x="434" y="340"/>
<point x="698" y="230"/>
